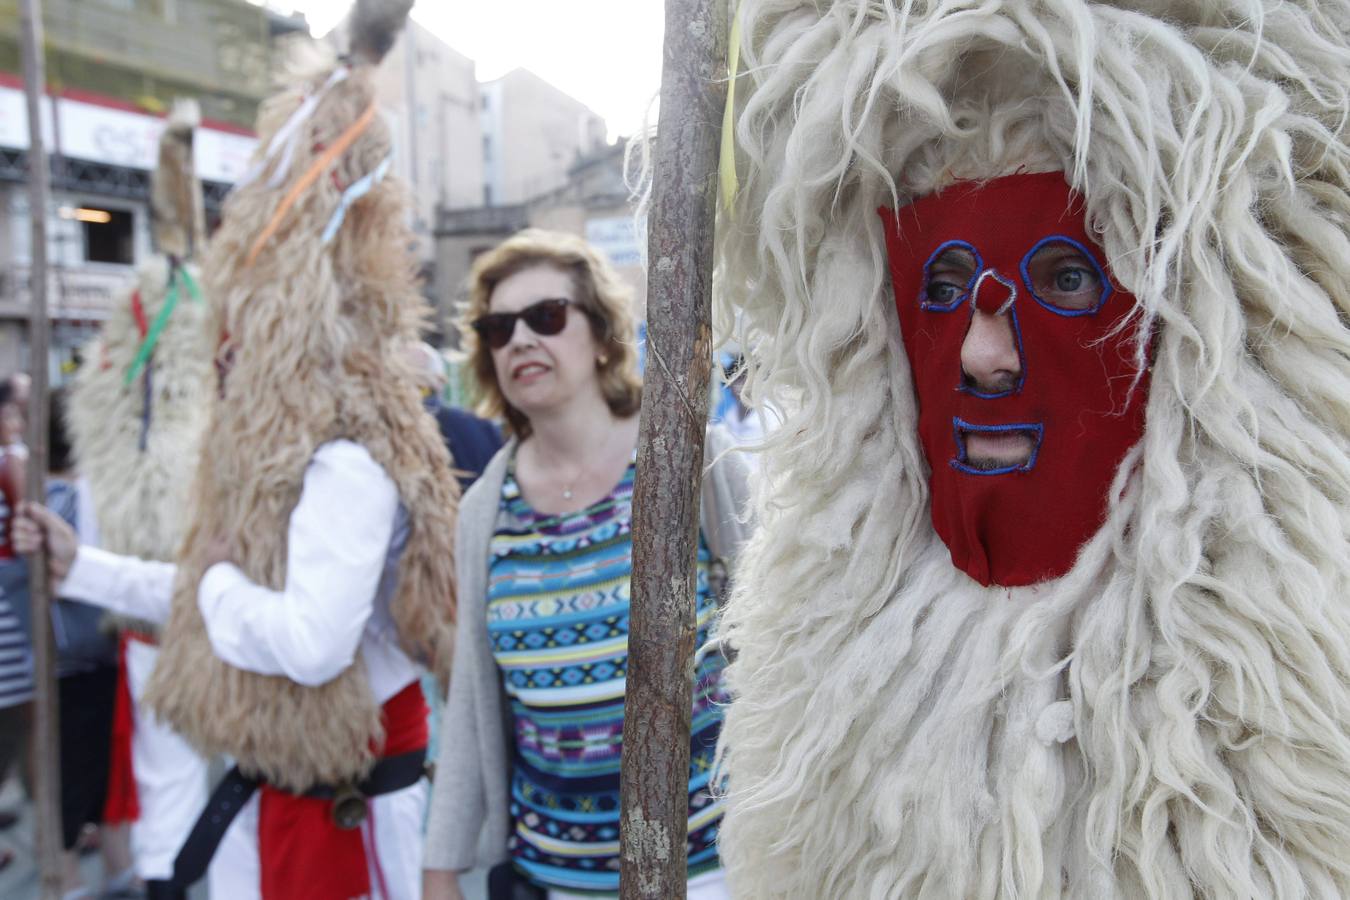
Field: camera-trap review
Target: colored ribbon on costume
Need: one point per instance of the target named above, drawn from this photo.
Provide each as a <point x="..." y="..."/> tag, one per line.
<point x="122" y="802"/>
<point x="288" y="136"/>
<point x="726" y="167"/>
<point x="143" y="326"/>
<point x="147" y="404"/>
<point x="176" y="271"/>
<point x="303" y="183"/>
<point x="354" y="192"/>
<point x="138" y="313"/>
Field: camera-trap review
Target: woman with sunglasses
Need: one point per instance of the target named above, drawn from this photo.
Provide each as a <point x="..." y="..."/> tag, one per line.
<point x="528" y="770"/>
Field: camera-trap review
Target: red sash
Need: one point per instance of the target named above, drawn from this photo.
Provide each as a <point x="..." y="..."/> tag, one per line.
<point x="303" y="855"/>
<point x="122" y="803"/>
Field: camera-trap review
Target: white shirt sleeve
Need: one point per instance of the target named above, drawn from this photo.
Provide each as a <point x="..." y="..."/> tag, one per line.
<point x="338" y="538"/>
<point x="128" y="586"/>
<point x="86" y="516"/>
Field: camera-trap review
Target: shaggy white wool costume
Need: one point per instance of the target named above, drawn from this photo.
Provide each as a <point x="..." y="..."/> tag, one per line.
<point x="137" y="443"/>
<point x="139" y="453"/>
<point x="1172" y="717"/>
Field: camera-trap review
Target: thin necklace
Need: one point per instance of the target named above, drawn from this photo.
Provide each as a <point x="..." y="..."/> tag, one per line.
<point x="569" y="486"/>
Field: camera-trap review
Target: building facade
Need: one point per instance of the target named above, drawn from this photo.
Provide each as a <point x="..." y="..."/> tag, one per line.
<point x="593" y="202"/>
<point x="113" y="69"/>
<point x="533" y="135"/>
<point x="430" y="93"/>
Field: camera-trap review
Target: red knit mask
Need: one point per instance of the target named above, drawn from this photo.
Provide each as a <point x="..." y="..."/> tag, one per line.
<point x="1026" y="408"/>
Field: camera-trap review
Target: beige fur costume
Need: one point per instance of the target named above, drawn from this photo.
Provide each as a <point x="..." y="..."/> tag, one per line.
<point x="1172" y="718"/>
<point x="139" y="463"/>
<point x="319" y="335"/>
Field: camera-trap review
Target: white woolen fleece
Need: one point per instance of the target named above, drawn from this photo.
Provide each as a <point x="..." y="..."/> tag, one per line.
<point x="141" y="492"/>
<point x="896" y="729"/>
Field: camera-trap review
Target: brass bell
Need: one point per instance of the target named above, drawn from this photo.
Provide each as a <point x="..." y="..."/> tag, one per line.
<point x="350" y="807"/>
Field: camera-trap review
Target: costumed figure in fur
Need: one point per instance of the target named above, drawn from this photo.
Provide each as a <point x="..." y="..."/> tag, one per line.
<point x="137" y="411"/>
<point x="1051" y="595"/>
<point x="318" y="564"/>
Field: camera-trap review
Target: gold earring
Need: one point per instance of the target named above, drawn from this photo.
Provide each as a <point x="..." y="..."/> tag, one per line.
<point x="602" y="359"/>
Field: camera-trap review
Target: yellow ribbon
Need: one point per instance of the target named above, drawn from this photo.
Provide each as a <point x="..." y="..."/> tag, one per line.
<point x="316" y="168"/>
<point x="727" y="166"/>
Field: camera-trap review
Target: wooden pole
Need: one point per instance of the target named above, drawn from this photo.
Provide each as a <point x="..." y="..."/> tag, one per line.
<point x="655" y="780"/>
<point x="46" y="742"/>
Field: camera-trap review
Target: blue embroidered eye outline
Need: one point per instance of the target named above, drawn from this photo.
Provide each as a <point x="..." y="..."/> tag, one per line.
<point x="929" y="305"/>
<point x="1009" y="308"/>
<point x="959" y="425"/>
<point x="1107" y="288"/>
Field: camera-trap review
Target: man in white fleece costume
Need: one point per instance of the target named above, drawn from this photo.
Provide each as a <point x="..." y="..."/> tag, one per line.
<point x="1051" y="596"/>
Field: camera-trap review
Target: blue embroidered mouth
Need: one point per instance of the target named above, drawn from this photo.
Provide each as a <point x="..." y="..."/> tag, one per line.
<point x="1035" y="431"/>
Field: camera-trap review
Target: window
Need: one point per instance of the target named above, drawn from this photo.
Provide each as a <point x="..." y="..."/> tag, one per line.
<point x="108" y="235"/>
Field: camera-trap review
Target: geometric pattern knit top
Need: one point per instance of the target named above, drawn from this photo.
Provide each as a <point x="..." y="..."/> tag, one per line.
<point x="557" y="615"/>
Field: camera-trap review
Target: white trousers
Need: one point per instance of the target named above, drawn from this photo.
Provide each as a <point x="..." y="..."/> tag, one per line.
<point x="393" y="830"/>
<point x="171" y="779"/>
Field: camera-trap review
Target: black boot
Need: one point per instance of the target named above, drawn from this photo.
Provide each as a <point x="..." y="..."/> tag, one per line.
<point x="164" y="890"/>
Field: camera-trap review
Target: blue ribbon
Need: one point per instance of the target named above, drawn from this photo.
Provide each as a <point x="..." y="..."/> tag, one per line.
<point x="354" y="192"/>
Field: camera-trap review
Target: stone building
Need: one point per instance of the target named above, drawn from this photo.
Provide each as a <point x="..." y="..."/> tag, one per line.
<point x="431" y="92"/>
<point x="533" y="135"/>
<point x="113" y="69"/>
<point x="593" y="202"/>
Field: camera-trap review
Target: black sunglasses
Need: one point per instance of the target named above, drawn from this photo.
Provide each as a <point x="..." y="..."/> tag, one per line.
<point x="546" y="317"/>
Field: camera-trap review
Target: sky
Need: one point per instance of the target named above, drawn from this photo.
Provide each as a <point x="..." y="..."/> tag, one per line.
<point x="605" y="53"/>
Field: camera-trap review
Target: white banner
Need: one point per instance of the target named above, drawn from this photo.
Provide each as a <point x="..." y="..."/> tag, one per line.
<point x="120" y="137"/>
<point x="617" y="238"/>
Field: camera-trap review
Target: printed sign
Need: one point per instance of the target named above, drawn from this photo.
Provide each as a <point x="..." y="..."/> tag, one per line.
<point x="616" y="238"/>
<point x="119" y="137"/>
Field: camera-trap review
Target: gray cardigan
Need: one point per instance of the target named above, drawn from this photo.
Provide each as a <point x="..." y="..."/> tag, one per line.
<point x="469" y="821"/>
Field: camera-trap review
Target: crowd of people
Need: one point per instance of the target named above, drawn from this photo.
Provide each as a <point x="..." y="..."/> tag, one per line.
<point x="544" y="544"/>
<point x="1039" y="592"/>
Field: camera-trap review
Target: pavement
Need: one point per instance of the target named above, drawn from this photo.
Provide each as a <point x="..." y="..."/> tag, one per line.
<point x="19" y="881"/>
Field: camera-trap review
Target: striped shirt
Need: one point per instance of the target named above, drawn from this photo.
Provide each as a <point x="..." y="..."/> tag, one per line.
<point x="16" y="663"/>
<point x="558" y="594"/>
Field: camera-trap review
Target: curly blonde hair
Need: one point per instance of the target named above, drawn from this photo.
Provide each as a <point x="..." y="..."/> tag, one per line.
<point x="600" y="293"/>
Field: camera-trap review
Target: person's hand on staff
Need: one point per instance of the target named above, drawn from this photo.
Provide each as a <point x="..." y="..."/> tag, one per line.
<point x="34" y="527"/>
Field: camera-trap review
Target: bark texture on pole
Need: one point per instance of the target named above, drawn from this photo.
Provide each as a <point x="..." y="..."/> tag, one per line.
<point x="655" y="786"/>
<point x="46" y="743"/>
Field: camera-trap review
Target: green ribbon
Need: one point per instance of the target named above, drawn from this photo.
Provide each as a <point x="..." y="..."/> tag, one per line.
<point x="727" y="166"/>
<point x="157" y="327"/>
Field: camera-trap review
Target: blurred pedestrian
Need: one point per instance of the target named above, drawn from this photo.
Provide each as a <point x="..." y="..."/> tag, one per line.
<point x="318" y="567"/>
<point x="138" y="410"/>
<point x="472" y="441"/>
<point x="14" y="414"/>
<point x="86" y="671"/>
<point x="16" y="662"/>
<point x="545" y="555"/>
